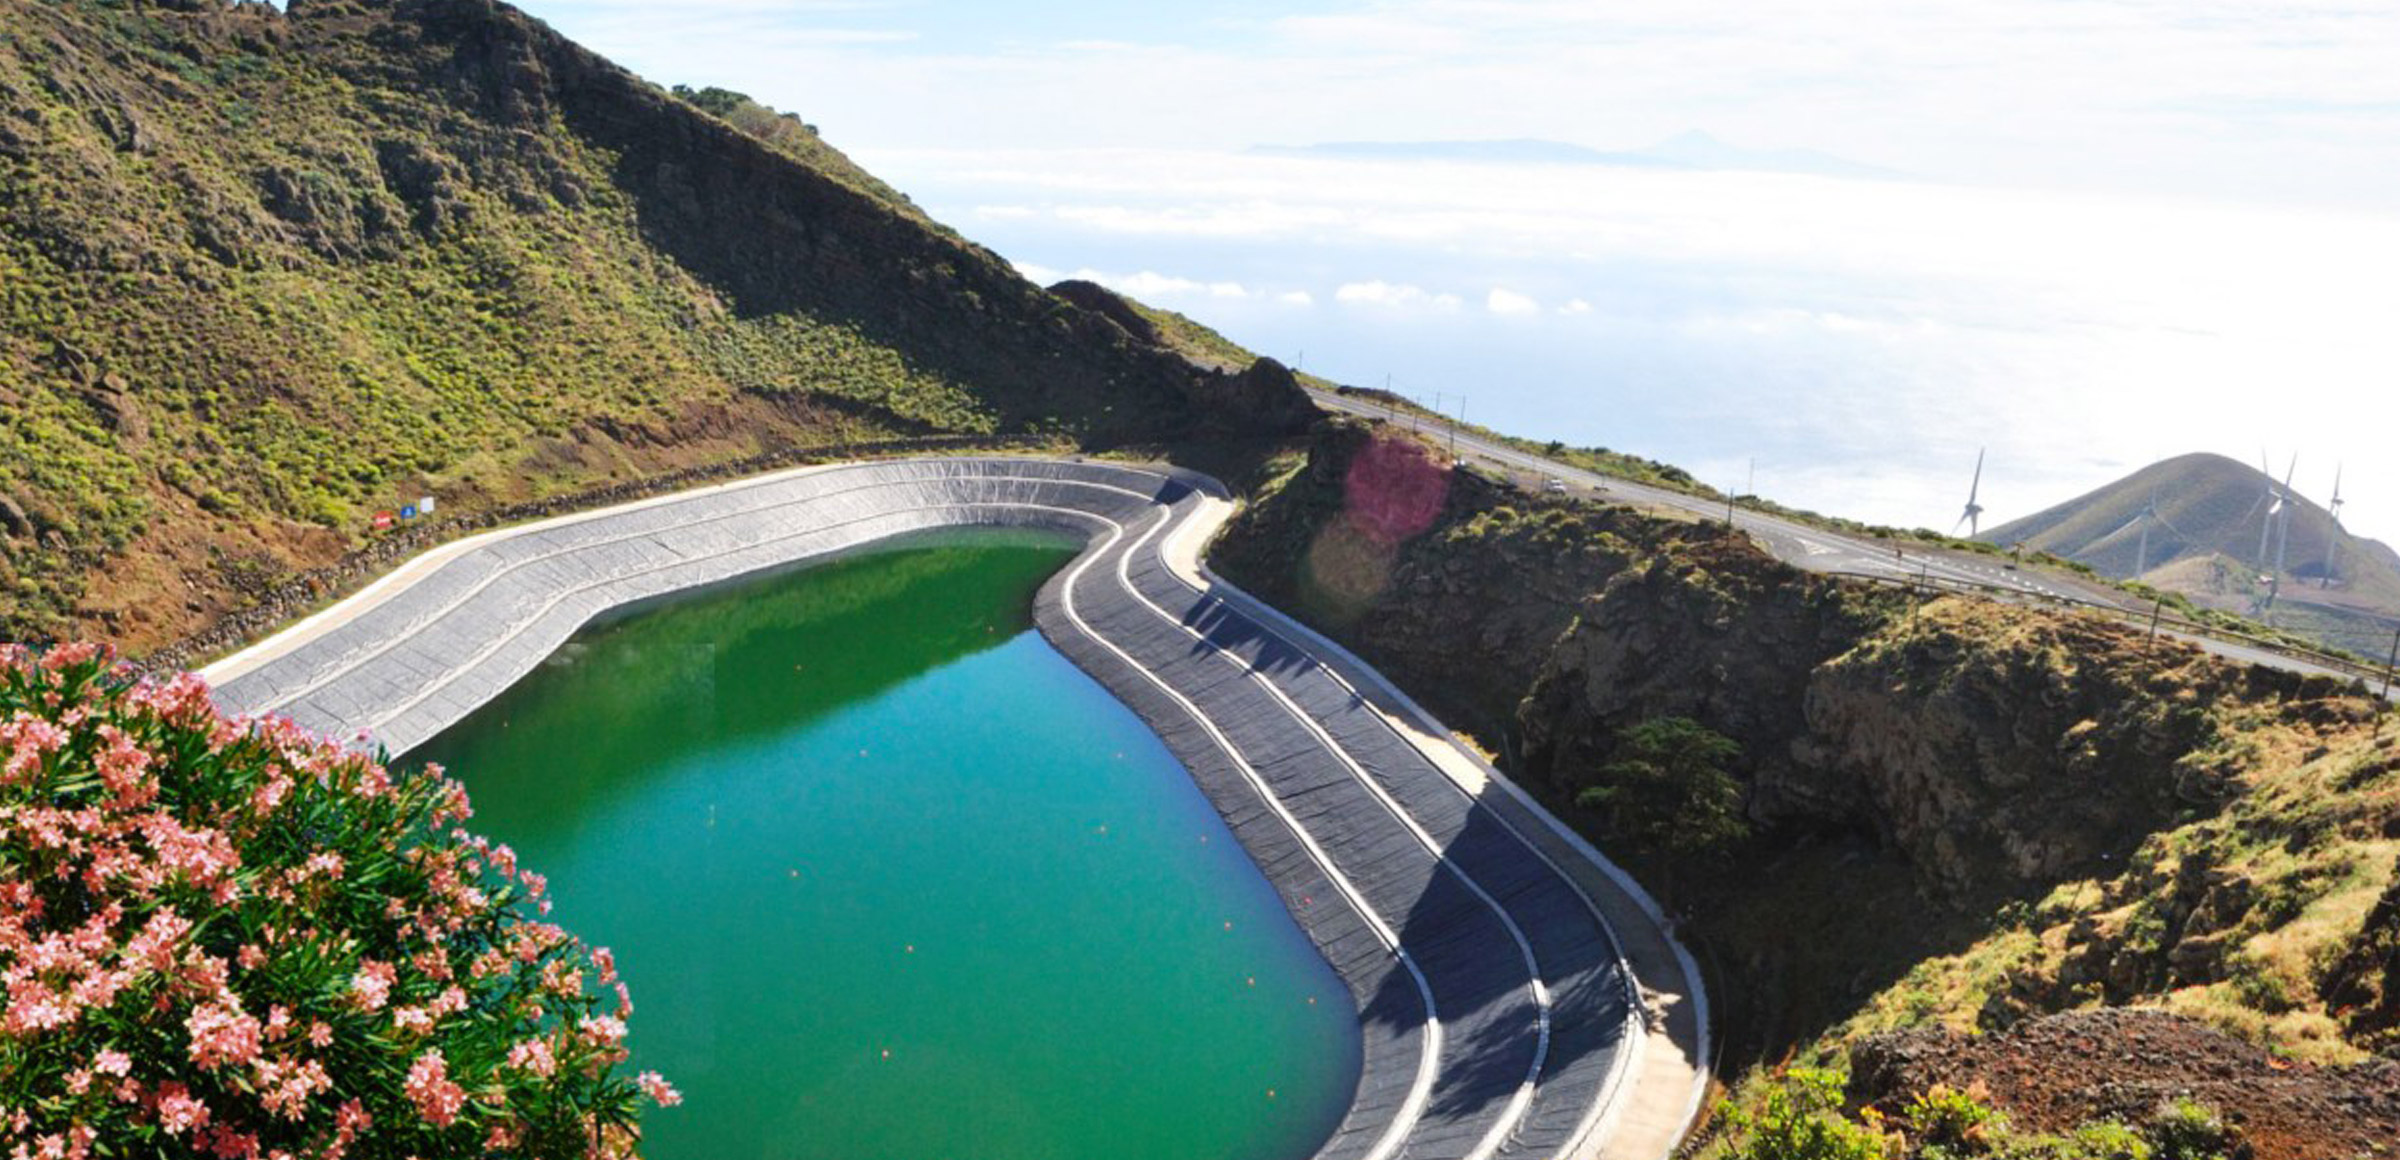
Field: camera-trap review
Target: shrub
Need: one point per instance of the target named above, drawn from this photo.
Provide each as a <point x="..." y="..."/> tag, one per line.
<point x="231" y="938"/>
<point x="2187" y="1129"/>
<point x="2110" y="1140"/>
<point x="1801" y="1119"/>
<point x="1667" y="790"/>
<point x="1954" y="1118"/>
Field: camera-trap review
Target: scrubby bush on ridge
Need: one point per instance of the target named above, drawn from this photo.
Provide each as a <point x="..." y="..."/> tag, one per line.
<point x="231" y="938"/>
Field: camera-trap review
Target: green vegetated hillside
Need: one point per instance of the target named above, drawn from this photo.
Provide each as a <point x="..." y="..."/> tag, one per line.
<point x="2204" y="542"/>
<point x="265" y="274"/>
<point x="1885" y="818"/>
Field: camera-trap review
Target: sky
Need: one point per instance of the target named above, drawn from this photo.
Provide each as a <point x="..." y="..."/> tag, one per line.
<point x="2114" y="229"/>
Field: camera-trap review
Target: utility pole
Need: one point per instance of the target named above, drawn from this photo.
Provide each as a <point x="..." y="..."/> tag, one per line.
<point x="1462" y="417"/>
<point x="2391" y="663"/>
<point x="2155" y="610"/>
<point x="1750" y="488"/>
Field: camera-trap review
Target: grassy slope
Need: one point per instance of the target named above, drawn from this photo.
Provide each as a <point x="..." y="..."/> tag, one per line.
<point x="264" y="275"/>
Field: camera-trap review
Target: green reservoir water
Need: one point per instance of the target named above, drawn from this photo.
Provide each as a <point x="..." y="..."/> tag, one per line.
<point x="890" y="877"/>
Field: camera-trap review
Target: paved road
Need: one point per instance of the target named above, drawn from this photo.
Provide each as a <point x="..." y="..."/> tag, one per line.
<point x="1821" y="550"/>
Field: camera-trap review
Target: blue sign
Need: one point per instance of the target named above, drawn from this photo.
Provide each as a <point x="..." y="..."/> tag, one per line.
<point x="408" y="512"/>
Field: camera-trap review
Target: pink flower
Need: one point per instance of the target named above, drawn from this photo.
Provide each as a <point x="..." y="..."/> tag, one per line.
<point x="124" y="767"/>
<point x="178" y="1110"/>
<point x="654" y="1086"/>
<point x="222" y="1033"/>
<point x="373" y="984"/>
<point x="34" y="1006"/>
<point x="600" y="1030"/>
<point x="227" y="1144"/>
<point x="533" y="1055"/>
<point x="28" y="739"/>
<point x="430" y="1089"/>
<point x="67" y="656"/>
<point x="284" y="1087"/>
<point x="155" y="943"/>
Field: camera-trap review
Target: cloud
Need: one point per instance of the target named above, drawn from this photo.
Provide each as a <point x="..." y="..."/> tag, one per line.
<point x="2290" y="100"/>
<point x="1851" y="334"/>
<point x="1296" y="298"/>
<point x="1142" y="284"/>
<point x="1501" y="301"/>
<point x="1397" y="295"/>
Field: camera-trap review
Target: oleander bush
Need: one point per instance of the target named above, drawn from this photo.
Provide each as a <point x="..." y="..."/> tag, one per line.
<point x="230" y="938"/>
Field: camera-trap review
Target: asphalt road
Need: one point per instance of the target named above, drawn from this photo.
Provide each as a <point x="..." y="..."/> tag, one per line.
<point x="1821" y="550"/>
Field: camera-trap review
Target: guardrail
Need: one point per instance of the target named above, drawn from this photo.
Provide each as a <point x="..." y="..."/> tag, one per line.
<point x="2157" y="618"/>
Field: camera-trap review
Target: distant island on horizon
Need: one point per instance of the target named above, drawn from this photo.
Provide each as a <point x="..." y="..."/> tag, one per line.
<point x="1691" y="151"/>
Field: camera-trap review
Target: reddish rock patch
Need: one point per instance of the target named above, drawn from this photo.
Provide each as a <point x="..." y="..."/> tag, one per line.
<point x="2052" y="1074"/>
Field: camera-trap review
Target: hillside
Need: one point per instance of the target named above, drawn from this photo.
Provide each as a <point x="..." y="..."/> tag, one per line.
<point x="1985" y="818"/>
<point x="265" y="274"/>
<point x="2204" y="542"/>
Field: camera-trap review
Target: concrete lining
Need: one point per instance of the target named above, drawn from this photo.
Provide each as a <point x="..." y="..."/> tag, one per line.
<point x="1502" y="1015"/>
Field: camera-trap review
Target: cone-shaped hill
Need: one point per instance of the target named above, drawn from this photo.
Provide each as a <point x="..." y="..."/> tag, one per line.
<point x="2205" y="536"/>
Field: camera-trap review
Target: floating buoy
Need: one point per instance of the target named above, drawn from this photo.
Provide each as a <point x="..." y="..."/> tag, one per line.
<point x="887" y="1053"/>
<point x="910" y="948"/>
<point x="1312" y="1000"/>
<point x="1229" y="926"/>
<point x="1270" y="1093"/>
<point x="1250" y="980"/>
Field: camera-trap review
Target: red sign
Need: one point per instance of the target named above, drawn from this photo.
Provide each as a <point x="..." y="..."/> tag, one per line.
<point x="383" y="521"/>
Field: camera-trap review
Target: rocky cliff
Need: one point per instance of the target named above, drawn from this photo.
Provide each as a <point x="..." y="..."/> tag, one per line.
<point x="1973" y="808"/>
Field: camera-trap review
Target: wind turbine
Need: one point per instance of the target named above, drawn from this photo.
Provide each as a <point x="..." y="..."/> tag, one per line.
<point x="2149" y="516"/>
<point x="2283" y="540"/>
<point x="2333" y="542"/>
<point x="2269" y="500"/>
<point x="1972" y="521"/>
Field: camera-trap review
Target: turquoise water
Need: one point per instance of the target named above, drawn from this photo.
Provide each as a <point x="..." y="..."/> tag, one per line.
<point x="890" y="877"/>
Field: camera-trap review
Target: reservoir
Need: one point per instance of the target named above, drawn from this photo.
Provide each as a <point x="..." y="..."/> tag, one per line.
<point x="891" y="878"/>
